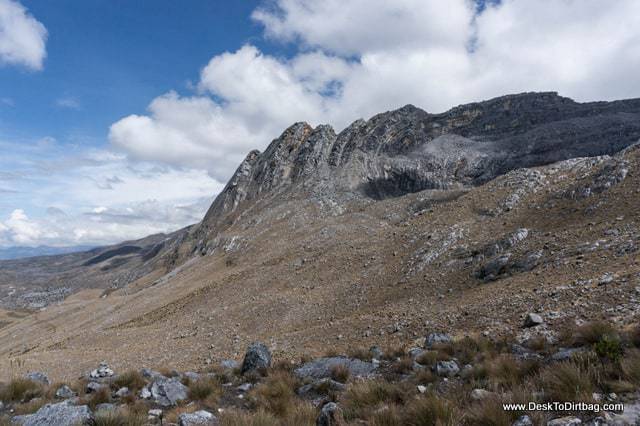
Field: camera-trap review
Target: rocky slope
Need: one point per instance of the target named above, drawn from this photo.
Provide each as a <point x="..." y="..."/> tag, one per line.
<point x="463" y="221"/>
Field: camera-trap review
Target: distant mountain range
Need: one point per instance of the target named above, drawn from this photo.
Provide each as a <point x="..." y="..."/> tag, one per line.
<point x="8" y="253"/>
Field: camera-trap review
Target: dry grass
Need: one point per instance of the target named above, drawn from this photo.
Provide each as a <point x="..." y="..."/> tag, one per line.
<point x="101" y="396"/>
<point x="19" y="390"/>
<point x="31" y="406"/>
<point x="591" y="333"/>
<point x="276" y="394"/>
<point x="340" y="373"/>
<point x="243" y="418"/>
<point x="131" y="379"/>
<point x="630" y="366"/>
<point x="567" y="381"/>
<point x="119" y="418"/>
<point x="206" y="391"/>
<point x="363" y="398"/>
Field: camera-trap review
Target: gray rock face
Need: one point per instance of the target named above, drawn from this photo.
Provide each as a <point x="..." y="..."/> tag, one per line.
<point x="65" y="392"/>
<point x="167" y="392"/>
<point x="321" y="367"/>
<point x="201" y="417"/>
<point x="94" y="387"/>
<point x="256" y="358"/>
<point x="61" y="414"/>
<point x="436" y="338"/>
<point x="330" y="415"/>
<point x="103" y="371"/>
<point x="38" y="377"/>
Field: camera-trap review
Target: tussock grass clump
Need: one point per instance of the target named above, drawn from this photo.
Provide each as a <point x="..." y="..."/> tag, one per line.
<point x="567" y="381"/>
<point x="205" y="390"/>
<point x="131" y="379"/>
<point x="430" y="410"/>
<point x="489" y="412"/>
<point x="340" y="373"/>
<point x="363" y="398"/>
<point x="360" y="353"/>
<point x="119" y="418"/>
<point x="31" y="406"/>
<point x="101" y="396"/>
<point x="276" y="394"/>
<point x="403" y="366"/>
<point x="630" y="366"/>
<point x="18" y="390"/>
<point x="243" y="418"/>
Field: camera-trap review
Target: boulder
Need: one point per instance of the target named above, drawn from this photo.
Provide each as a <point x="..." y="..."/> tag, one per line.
<point x="256" y="358"/>
<point x="330" y="415"/>
<point x="38" y="377"/>
<point x="565" y="421"/>
<point x="533" y="320"/>
<point x="168" y="392"/>
<point x="201" y="417"/>
<point x="65" y="392"/>
<point x="447" y="368"/>
<point x="60" y="414"/>
<point x="436" y="338"/>
<point x="321" y="367"/>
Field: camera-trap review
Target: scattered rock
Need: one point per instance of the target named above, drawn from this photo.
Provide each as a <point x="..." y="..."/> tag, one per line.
<point x="38" y="377"/>
<point x="533" y="320"/>
<point x="123" y="392"/>
<point x="101" y="372"/>
<point x="65" y="392"/>
<point x="245" y="387"/>
<point x="106" y="407"/>
<point x="447" y="368"/>
<point x="94" y="387"/>
<point x="523" y="420"/>
<point x="201" y="417"/>
<point x="330" y="415"/>
<point x="156" y="413"/>
<point x="436" y="338"/>
<point x="256" y="358"/>
<point x="60" y="414"/>
<point x="321" y="367"/>
<point x="228" y="364"/>
<point x="422" y="388"/>
<point x="480" y="394"/>
<point x="565" y="421"/>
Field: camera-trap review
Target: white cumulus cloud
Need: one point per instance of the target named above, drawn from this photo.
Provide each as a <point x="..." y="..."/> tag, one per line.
<point x="355" y="58"/>
<point x="22" y="37"/>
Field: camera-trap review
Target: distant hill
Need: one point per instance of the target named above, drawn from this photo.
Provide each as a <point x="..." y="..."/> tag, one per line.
<point x="9" y="253"/>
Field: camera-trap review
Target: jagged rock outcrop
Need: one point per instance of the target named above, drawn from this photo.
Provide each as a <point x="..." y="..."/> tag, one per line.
<point x="410" y="150"/>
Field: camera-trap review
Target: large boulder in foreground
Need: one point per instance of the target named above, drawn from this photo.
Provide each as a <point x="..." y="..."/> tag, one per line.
<point x="61" y="414"/>
<point x="322" y="367"/>
<point x="256" y="358"/>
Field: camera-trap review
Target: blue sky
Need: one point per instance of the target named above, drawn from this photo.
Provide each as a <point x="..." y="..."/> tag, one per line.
<point x="124" y="118"/>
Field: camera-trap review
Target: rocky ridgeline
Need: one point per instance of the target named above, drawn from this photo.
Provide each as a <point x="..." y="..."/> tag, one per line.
<point x="441" y="366"/>
<point x="409" y="150"/>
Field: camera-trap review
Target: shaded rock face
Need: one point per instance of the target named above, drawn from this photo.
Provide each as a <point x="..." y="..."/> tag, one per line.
<point x="410" y="150"/>
<point x="257" y="358"/>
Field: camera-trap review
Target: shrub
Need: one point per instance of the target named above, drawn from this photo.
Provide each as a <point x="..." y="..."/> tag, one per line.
<point x="21" y="390"/>
<point x="609" y="347"/>
<point x="340" y="373"/>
